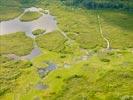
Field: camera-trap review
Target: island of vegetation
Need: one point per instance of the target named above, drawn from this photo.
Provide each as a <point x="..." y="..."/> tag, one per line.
<point x="38" y="31"/>
<point x="30" y="16"/>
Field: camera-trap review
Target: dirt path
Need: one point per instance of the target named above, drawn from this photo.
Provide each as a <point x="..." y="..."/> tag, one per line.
<point x="101" y="31"/>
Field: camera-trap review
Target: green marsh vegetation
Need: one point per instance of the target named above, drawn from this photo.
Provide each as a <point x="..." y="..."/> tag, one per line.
<point x="102" y="75"/>
<point x="10" y="9"/>
<point x="84" y="26"/>
<point x="119" y="23"/>
<point x="53" y="41"/>
<point x="7" y="13"/>
<point x="30" y="16"/>
<point x="10" y="71"/>
<point x="90" y="79"/>
<point x="15" y="43"/>
<point x="15" y="77"/>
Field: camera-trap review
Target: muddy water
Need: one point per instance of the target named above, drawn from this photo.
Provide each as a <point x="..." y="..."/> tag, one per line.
<point x="44" y="71"/>
<point x="46" y="22"/>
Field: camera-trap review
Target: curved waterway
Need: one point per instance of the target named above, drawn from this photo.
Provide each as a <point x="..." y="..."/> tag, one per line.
<point x="46" y="22"/>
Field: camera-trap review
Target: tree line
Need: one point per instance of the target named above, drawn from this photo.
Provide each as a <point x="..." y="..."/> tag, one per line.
<point x="94" y="4"/>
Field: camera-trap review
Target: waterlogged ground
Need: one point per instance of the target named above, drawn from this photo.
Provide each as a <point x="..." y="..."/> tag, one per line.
<point x="60" y="67"/>
<point x="45" y="22"/>
<point x="73" y="73"/>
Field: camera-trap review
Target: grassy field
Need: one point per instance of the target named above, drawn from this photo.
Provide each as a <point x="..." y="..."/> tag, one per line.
<point x="15" y="77"/>
<point x="84" y="26"/>
<point x="10" y="9"/>
<point x="85" y="70"/>
<point x="53" y="41"/>
<point x="7" y="13"/>
<point x="103" y="76"/>
<point x="30" y="16"/>
<point x="117" y="27"/>
<point x="14" y="43"/>
<point x="92" y="79"/>
<point x="10" y="71"/>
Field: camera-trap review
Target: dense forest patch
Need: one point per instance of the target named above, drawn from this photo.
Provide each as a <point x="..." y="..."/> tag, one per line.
<point x="100" y="4"/>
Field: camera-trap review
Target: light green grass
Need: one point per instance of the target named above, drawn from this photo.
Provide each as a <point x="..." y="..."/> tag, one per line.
<point x="92" y="79"/>
<point x="30" y="16"/>
<point x="117" y="27"/>
<point x="16" y="78"/>
<point x="51" y="41"/>
<point x="105" y="75"/>
<point x="83" y="26"/>
<point x="10" y="71"/>
<point x="15" y="43"/>
<point x="7" y="13"/>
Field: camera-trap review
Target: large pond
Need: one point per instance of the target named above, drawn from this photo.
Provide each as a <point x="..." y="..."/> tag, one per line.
<point x="46" y="21"/>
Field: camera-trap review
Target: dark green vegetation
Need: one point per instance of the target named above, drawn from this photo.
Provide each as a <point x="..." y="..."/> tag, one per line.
<point x="53" y="41"/>
<point x="28" y="2"/>
<point x="38" y="32"/>
<point x="85" y="71"/>
<point x="100" y="4"/>
<point x="29" y="16"/>
<point x="15" y="43"/>
<point x="18" y="3"/>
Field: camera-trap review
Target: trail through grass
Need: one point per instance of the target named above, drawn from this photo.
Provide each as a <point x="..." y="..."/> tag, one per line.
<point x="101" y="31"/>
